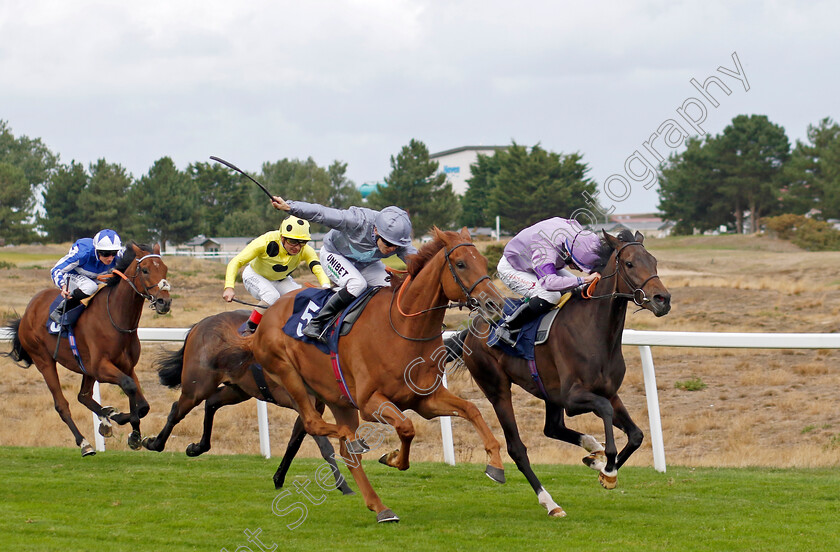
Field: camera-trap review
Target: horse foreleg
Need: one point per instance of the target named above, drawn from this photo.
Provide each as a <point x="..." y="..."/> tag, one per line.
<point x="223" y="396"/>
<point x="503" y="406"/>
<point x="580" y="401"/>
<point x="379" y="408"/>
<point x="555" y="428"/>
<point x="349" y="417"/>
<point x="48" y="371"/>
<point x="179" y="409"/>
<point x="444" y="403"/>
<point x="624" y="422"/>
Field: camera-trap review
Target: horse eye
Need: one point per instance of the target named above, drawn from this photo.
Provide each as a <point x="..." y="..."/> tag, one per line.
<point x="628" y="264"/>
<point x="145" y="270"/>
<point x="461" y="264"/>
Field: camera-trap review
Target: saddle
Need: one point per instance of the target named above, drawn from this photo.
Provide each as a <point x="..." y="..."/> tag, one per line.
<point x="531" y="334"/>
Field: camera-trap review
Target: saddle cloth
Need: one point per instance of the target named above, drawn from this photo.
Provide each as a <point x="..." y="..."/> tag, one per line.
<point x="70" y="317"/>
<point x="532" y="334"/>
<point x="307" y="304"/>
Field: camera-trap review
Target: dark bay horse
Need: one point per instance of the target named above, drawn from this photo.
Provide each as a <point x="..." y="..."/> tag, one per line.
<point x="392" y="359"/>
<point x="580" y="367"/>
<point x="195" y="370"/>
<point x="106" y="337"/>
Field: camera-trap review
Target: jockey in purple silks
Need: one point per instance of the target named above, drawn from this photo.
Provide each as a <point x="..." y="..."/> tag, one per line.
<point x="534" y="266"/>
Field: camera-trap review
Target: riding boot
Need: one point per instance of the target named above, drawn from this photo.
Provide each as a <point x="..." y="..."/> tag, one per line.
<point x="318" y="325"/>
<point x="254" y="320"/>
<point x="508" y="330"/>
<point x="65" y="306"/>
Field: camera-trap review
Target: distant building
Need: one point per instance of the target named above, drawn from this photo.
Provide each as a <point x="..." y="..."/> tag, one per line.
<point x="649" y="224"/>
<point x="455" y="163"/>
<point x="223" y="249"/>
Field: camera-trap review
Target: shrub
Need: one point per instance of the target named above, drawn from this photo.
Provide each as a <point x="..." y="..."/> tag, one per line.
<point x="784" y="226"/>
<point x="493" y="253"/>
<point x="816" y="235"/>
<point x="694" y="384"/>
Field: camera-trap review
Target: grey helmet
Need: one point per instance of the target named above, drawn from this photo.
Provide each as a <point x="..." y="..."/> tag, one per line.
<point x="394" y="226"/>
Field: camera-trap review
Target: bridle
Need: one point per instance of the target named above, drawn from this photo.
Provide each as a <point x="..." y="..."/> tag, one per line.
<point x="638" y="296"/>
<point x="471" y="302"/>
<point x="163" y="285"/>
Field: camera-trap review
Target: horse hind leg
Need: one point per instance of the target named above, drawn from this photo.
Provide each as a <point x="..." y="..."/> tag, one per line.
<point x="349" y="418"/>
<point x="48" y="371"/>
<point x="555" y="428"/>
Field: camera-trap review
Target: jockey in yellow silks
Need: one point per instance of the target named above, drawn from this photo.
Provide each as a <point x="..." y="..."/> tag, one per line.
<point x="270" y="259"/>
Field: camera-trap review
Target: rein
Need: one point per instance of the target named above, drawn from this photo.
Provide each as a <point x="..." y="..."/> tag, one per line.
<point x="638" y="296"/>
<point x="471" y="302"/>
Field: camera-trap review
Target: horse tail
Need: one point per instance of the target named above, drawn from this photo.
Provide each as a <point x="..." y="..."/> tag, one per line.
<point x="170" y="364"/>
<point x="17" y="354"/>
<point x="455" y="348"/>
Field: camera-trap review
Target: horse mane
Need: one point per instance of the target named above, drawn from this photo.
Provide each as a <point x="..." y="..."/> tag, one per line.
<point x="128" y="257"/>
<point x="605" y="251"/>
<point x="417" y="261"/>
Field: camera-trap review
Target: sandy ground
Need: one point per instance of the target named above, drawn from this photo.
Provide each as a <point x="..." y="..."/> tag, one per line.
<point x="758" y="407"/>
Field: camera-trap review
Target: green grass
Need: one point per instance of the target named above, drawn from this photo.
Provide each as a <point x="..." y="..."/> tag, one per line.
<point x="54" y="500"/>
<point x="693" y="384"/>
<point x="18" y="259"/>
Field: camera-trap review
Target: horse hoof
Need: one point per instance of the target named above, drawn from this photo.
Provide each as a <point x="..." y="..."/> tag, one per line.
<point x="135" y="440"/>
<point x="347" y="491"/>
<point x="494" y="473"/>
<point x="194" y="449"/>
<point x="357" y="446"/>
<point x="87" y="450"/>
<point x="108" y="412"/>
<point x="148" y="443"/>
<point x="386" y="516"/>
<point x="608" y="482"/>
<point x="597" y="460"/>
<point x="388" y="458"/>
<point x="106" y="430"/>
<point x="557" y="512"/>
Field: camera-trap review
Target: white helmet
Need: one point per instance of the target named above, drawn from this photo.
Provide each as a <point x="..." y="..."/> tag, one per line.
<point x="107" y="240"/>
<point x="394" y="226"/>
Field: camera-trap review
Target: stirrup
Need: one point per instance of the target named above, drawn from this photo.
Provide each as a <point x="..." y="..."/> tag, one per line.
<point x="506" y="336"/>
<point x="314" y="333"/>
<point x="57" y="313"/>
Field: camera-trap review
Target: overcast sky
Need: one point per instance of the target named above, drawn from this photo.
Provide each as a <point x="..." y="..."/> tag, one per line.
<point x="256" y="81"/>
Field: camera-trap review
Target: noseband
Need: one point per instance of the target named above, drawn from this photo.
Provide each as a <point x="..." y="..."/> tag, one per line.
<point x="638" y="296"/>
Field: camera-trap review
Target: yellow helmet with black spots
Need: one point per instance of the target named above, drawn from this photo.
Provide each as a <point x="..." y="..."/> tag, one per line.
<point x="295" y="228"/>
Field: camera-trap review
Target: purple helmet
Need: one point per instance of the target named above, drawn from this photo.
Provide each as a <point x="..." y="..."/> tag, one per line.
<point x="583" y="249"/>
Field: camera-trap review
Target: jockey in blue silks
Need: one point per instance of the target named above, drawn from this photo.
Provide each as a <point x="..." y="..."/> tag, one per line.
<point x="75" y="273"/>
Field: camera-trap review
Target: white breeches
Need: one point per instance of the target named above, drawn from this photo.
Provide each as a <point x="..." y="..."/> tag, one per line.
<point x="526" y="283"/>
<point x="264" y="289"/>
<point x="345" y="274"/>
<point x="77" y="281"/>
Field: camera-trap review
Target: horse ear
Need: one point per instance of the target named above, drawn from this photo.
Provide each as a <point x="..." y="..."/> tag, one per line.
<point x="639" y="237"/>
<point x="465" y="233"/>
<point x="613" y="241"/>
<point x="157" y="249"/>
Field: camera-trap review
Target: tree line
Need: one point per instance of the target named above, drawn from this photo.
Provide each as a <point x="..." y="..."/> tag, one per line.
<point x="747" y="172"/>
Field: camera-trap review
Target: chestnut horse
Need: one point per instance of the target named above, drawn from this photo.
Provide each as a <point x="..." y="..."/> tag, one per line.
<point x="392" y="359"/>
<point x="194" y="369"/>
<point x="106" y="337"/>
<point x="580" y="367"/>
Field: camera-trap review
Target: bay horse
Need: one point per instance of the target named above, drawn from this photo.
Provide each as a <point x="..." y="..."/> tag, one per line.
<point x="194" y="369"/>
<point x="579" y="368"/>
<point x="106" y="337"/>
<point x="392" y="359"/>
